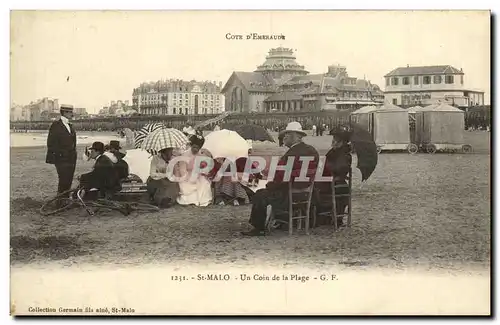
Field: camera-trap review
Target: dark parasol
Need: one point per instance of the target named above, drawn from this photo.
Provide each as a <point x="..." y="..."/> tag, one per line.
<point x="363" y="145"/>
<point x="250" y="132"/>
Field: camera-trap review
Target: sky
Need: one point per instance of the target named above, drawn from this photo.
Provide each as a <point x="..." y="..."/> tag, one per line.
<point x="108" y="53"/>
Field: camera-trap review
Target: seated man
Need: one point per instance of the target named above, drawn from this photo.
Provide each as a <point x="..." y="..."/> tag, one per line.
<point x="103" y="177"/>
<point x="276" y="191"/>
<point x="116" y="157"/>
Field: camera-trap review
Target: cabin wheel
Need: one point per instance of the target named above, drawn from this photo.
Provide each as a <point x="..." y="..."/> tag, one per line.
<point x="467" y="148"/>
<point x="412" y="148"/>
<point x="431" y="148"/>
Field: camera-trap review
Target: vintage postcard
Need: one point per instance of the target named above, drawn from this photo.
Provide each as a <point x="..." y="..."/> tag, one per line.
<point x="250" y="163"/>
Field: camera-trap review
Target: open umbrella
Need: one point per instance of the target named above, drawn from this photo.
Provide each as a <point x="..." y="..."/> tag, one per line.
<point x="364" y="147"/>
<point x="226" y="143"/>
<point x="251" y="132"/>
<point x="144" y="131"/>
<point x="164" y="138"/>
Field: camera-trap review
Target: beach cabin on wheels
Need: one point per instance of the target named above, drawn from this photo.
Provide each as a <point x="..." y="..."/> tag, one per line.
<point x="440" y="127"/>
<point x="411" y="120"/>
<point x="388" y="125"/>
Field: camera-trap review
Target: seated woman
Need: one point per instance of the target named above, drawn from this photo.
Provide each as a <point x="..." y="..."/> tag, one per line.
<point x="196" y="188"/>
<point x="162" y="191"/>
<point x="338" y="164"/>
<point x="229" y="192"/>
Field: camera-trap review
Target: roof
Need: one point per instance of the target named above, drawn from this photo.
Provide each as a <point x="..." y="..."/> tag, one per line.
<point x="389" y="107"/>
<point x="415" y="109"/>
<point x="252" y="81"/>
<point x="442" y="107"/>
<point x="287" y="95"/>
<point x="424" y="70"/>
<point x="365" y="109"/>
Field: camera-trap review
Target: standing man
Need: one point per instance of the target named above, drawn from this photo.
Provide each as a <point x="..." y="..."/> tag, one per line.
<point x="61" y="148"/>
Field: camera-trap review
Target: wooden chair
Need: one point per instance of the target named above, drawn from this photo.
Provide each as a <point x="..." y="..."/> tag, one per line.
<point x="329" y="199"/>
<point x="299" y="207"/>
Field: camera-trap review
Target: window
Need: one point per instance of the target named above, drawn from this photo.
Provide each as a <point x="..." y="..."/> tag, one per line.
<point x="394" y="101"/>
<point x="427" y="80"/>
<point x="174" y="95"/>
<point x="462" y="80"/>
<point x="415" y="80"/>
<point x="406" y="80"/>
<point x="438" y="79"/>
<point x="186" y="101"/>
<point x="186" y="96"/>
<point x="395" y="81"/>
<point x="450" y="79"/>
<point x="175" y="110"/>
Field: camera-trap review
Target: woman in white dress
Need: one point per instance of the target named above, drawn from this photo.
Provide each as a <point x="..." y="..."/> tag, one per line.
<point x="194" y="190"/>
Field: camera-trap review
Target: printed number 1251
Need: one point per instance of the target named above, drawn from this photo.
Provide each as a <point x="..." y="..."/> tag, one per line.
<point x="179" y="278"/>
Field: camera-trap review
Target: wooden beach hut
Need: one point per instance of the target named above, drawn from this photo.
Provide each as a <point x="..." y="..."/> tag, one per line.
<point x="440" y="127"/>
<point x="388" y="125"/>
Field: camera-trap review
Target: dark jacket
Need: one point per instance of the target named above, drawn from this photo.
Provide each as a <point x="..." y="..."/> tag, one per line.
<point x="121" y="166"/>
<point x="102" y="177"/>
<point x="61" y="145"/>
<point x="338" y="163"/>
<point x="299" y="150"/>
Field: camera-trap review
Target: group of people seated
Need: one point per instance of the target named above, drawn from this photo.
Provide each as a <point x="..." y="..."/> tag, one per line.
<point x="108" y="172"/>
<point x="338" y="164"/>
<point x="200" y="190"/>
<point x="209" y="188"/>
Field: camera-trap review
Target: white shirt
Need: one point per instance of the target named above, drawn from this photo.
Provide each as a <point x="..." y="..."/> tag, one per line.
<point x="65" y="121"/>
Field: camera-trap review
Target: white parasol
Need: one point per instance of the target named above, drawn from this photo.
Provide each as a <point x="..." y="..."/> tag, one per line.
<point x="226" y="144"/>
<point x="139" y="163"/>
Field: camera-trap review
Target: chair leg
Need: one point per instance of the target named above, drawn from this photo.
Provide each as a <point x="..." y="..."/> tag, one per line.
<point x="349" y="213"/>
<point x="314" y="212"/>
<point x="307" y="221"/>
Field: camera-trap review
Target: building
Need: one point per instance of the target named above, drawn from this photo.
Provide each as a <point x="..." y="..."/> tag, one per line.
<point x="281" y="84"/>
<point x="114" y="107"/>
<point x="178" y="97"/>
<point x="427" y="85"/>
<point x="16" y="113"/>
<point x="36" y="110"/>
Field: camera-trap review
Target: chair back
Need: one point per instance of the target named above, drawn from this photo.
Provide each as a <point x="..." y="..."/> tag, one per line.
<point x="302" y="195"/>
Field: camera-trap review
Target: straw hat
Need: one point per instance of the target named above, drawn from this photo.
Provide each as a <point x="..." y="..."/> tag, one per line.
<point x="294" y="127"/>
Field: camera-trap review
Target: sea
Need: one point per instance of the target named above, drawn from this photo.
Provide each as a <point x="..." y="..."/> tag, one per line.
<point x="39" y="138"/>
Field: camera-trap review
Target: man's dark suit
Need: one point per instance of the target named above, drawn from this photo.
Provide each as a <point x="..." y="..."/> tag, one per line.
<point x="103" y="177"/>
<point x="61" y="152"/>
<point x="276" y="191"/>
